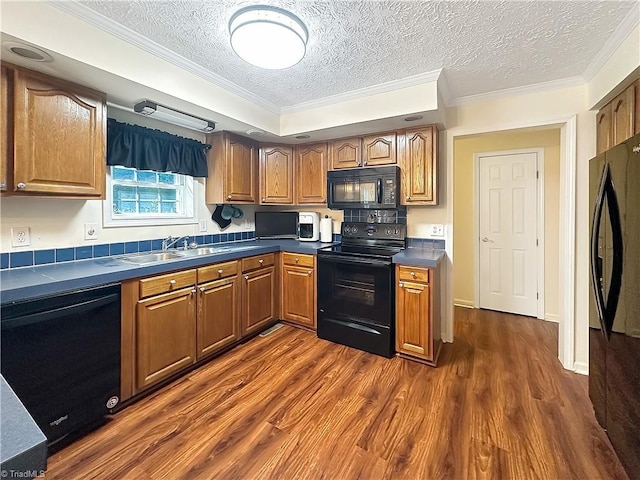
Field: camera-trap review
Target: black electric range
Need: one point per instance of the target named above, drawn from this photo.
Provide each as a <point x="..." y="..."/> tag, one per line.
<point x="356" y="300"/>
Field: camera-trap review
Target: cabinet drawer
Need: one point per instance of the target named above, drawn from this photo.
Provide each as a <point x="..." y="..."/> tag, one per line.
<point x="217" y="271"/>
<point x="258" y="261"/>
<point x="297" y="259"/>
<point x="413" y="274"/>
<point x="166" y="283"/>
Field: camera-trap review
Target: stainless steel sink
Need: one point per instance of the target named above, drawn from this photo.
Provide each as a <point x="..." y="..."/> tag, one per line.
<point x="201" y="251"/>
<point x="141" y="258"/>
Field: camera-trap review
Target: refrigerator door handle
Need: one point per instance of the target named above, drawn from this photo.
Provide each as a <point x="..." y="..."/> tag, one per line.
<point x="596" y="260"/>
<point x="615" y="285"/>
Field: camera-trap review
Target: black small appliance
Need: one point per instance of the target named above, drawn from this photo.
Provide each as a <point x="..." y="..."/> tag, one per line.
<point x="373" y="187"/>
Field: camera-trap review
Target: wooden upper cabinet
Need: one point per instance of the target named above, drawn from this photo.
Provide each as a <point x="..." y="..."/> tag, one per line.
<point x="311" y="173"/>
<point x="418" y="153"/>
<point x="276" y="174"/>
<point x="379" y="149"/>
<point x="233" y="169"/>
<point x="604" y="129"/>
<point x="345" y="153"/>
<point x="623" y="112"/>
<point x="6" y="129"/>
<point x="60" y="137"/>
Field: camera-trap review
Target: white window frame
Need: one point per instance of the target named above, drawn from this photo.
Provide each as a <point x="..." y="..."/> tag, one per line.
<point x="132" y="220"/>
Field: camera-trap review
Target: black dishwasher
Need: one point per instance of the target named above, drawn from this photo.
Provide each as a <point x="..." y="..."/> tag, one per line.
<point x="61" y="356"/>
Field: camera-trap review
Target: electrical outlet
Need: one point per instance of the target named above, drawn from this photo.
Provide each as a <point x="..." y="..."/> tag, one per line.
<point x="203" y="225"/>
<point x="437" y="230"/>
<point x="20" y="236"/>
<point x="247" y="224"/>
<point x="90" y="231"/>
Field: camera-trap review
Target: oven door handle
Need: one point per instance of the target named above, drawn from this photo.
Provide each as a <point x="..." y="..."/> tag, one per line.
<point x="369" y="262"/>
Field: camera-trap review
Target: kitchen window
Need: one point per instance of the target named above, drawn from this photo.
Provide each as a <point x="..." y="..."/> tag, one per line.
<point x="145" y="197"/>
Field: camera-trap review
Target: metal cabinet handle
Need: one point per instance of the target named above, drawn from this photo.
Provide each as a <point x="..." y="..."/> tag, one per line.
<point x="401" y="284"/>
<point x="261" y="261"/>
<point x="21" y="185"/>
<point x="310" y="272"/>
<point x="220" y="271"/>
<point x="408" y="198"/>
<point x="413" y="274"/>
<point x="228" y="197"/>
<point x="324" y="200"/>
<point x="172" y="282"/>
<point x="193" y="292"/>
<point x="365" y="163"/>
<point x="297" y="259"/>
<point x="485" y="240"/>
<point x="246" y="277"/>
<point x="202" y="289"/>
<point x="3" y="185"/>
<point x="264" y="199"/>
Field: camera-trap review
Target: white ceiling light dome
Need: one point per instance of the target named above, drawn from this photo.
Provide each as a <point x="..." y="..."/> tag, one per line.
<point x="268" y="37"/>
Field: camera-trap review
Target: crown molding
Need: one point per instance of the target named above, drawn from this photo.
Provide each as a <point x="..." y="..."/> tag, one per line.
<point x="109" y="26"/>
<point x="406" y="82"/>
<point x="523" y="90"/>
<point x="630" y="21"/>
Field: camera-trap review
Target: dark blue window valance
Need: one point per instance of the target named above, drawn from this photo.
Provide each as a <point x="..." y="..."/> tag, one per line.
<point x="143" y="148"/>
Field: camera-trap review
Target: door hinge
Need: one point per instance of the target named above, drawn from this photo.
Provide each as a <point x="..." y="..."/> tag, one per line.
<point x="537" y="174"/>
<point x="536" y="242"/>
<point x="537" y="296"/>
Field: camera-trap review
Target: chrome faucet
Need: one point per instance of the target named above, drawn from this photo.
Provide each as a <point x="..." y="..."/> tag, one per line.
<point x="171" y="241"/>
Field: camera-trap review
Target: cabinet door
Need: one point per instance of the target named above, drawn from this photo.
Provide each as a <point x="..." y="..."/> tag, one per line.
<point x="298" y="295"/>
<point x="345" y="153"/>
<point x="240" y="172"/>
<point x="258" y="301"/>
<point x="276" y="174"/>
<point x="218" y="321"/>
<point x="6" y="129"/>
<point x="419" y="166"/>
<point x="604" y="129"/>
<point x="311" y="173"/>
<point x="623" y="112"/>
<point x="413" y="322"/>
<point x="165" y="336"/>
<point x="60" y="137"/>
<point x="379" y="149"/>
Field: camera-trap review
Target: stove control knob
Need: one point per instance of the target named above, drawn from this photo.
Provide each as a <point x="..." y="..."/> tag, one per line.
<point x="354" y="229"/>
<point x="388" y="231"/>
<point x="347" y="229"/>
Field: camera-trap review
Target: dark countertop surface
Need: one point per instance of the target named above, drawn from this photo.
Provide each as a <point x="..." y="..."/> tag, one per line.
<point x="32" y="282"/>
<point x="420" y="257"/>
<point x="23" y="447"/>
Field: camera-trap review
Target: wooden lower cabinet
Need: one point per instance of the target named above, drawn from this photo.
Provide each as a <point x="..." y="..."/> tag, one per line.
<point x="417" y="314"/>
<point x="298" y="292"/>
<point x="218" y="319"/>
<point x="258" y="302"/>
<point x="165" y="336"/>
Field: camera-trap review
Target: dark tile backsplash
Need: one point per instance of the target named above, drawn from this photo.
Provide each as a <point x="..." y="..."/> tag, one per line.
<point x="376" y="216"/>
<point x="43" y="257"/>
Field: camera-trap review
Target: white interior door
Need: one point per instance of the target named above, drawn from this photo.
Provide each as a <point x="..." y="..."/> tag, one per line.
<point x="507" y="233"/>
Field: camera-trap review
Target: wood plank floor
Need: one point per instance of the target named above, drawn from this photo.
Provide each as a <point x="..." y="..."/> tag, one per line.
<point x="291" y="406"/>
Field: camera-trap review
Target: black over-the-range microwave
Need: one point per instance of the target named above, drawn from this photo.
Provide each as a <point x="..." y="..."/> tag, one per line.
<point x="372" y="187"/>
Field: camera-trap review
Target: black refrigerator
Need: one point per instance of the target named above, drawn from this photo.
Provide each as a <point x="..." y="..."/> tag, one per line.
<point x="614" y="311"/>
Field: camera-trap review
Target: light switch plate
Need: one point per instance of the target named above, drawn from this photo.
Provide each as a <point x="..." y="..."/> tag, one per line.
<point x="20" y="236"/>
<point x="203" y="225"/>
<point x="90" y="231"/>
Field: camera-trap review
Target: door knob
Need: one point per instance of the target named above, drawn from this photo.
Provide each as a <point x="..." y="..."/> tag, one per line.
<point x="485" y="240"/>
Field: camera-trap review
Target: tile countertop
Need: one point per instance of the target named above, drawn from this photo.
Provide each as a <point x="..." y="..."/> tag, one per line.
<point x="33" y="282"/>
<point x="420" y="257"/>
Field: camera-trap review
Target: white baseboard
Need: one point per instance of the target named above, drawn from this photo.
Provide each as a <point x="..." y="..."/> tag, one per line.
<point x="463" y="303"/>
<point x="581" y="367"/>
<point x="551" y="317"/>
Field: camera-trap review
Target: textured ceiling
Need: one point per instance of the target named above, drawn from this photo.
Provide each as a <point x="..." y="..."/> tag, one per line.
<point x="482" y="46"/>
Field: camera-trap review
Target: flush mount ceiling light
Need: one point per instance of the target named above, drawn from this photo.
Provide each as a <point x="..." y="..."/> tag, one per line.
<point x="175" y="117"/>
<point x="268" y="37"/>
<point x="413" y="118"/>
<point x="27" y="51"/>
